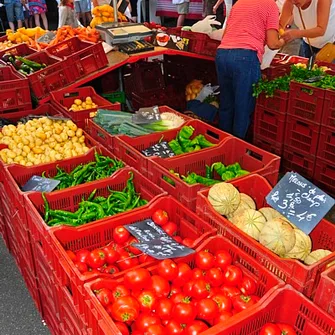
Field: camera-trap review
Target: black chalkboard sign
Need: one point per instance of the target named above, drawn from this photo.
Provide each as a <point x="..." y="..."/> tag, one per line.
<point x="40" y="184"/>
<point x="161" y="149"/>
<point x="154" y="241"/>
<point x="300" y="201"/>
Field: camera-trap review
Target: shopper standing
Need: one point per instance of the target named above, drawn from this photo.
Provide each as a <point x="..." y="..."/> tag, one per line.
<point x="83" y="11"/>
<point x="67" y="15"/>
<point x="38" y="8"/>
<point x="251" y="25"/>
<point x="319" y="19"/>
<point x="183" y="7"/>
<point x="14" y="11"/>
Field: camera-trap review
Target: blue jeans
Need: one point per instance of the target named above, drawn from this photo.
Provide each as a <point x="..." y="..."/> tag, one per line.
<point x="305" y="50"/>
<point x="237" y="71"/>
<point x="14" y="10"/>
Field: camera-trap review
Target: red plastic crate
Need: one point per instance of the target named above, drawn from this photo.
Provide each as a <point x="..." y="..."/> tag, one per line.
<point x="326" y="147"/>
<point x="234" y="150"/>
<point x="69" y="200"/>
<point x="130" y="148"/>
<point x="100" y="234"/>
<point x="14" y="91"/>
<point x="302" y="135"/>
<point x="270" y="125"/>
<point x="18" y="50"/>
<point x="298" y="161"/>
<point x="278" y="103"/>
<point x="306" y="102"/>
<point x="55" y="76"/>
<point x="284" y="306"/>
<point x="268" y="145"/>
<point x="324" y="175"/>
<point x="302" y="277"/>
<point x="64" y="99"/>
<point x="3" y="230"/>
<point x="83" y="58"/>
<point x="324" y="295"/>
<point x="102" y="324"/>
<point x="328" y="118"/>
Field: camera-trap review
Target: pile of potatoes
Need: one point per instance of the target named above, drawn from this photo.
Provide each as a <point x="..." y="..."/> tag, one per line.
<point x="80" y="105"/>
<point x="41" y="140"/>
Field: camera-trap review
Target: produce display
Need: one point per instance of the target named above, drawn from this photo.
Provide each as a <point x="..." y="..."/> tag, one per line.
<point x="122" y="123"/>
<point x="177" y="299"/>
<point x="183" y="142"/>
<point x="298" y="73"/>
<point x="105" y="13"/>
<point x="23" y="65"/>
<point x="225" y="173"/>
<point x="5" y="45"/>
<point x="25" y="35"/>
<point x="103" y="167"/>
<point x="41" y="140"/>
<point x="79" y="105"/>
<point x="265" y="225"/>
<point x="277" y="329"/>
<point x="96" y="207"/>
<point x="193" y="89"/>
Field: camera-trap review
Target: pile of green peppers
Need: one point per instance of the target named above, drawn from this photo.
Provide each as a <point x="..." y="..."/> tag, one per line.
<point x="183" y="143"/>
<point x="225" y="172"/>
<point x="96" y="207"/>
<point x="103" y="167"/>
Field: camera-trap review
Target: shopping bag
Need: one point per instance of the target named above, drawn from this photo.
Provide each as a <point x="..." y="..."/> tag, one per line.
<point x="268" y="56"/>
<point x="205" y="25"/>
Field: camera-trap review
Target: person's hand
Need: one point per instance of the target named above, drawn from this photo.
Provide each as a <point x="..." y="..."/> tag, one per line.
<point x="290" y="35"/>
<point x="214" y="9"/>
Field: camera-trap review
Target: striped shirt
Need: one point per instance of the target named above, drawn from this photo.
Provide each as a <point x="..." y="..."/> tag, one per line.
<point x="248" y="23"/>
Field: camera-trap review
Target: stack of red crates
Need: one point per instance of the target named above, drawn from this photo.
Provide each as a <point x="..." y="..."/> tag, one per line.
<point x="270" y="122"/>
<point x="305" y="109"/>
<point x="324" y="172"/>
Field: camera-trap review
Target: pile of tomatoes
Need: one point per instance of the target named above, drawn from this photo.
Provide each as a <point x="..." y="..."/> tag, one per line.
<point x="277" y="329"/>
<point x="176" y="299"/>
<point x="121" y="254"/>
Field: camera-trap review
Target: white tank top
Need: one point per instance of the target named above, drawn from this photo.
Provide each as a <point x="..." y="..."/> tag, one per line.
<point x="310" y="18"/>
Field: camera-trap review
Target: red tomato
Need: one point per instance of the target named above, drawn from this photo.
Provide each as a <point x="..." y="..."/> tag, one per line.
<point x="188" y="242"/>
<point x="215" y="277"/>
<point x="167" y="269"/>
<point x="145" y="320"/>
<point x="160" y="217"/>
<point x="91" y="272"/>
<point x="223" y="259"/>
<point x="174" y="328"/>
<point x="160" y="286"/>
<point x="127" y="261"/>
<point x="175" y="289"/>
<point x="170" y="228"/>
<point x="200" y="289"/>
<point x="105" y="296"/>
<point x="111" y="254"/>
<point x="241" y="302"/>
<point x="198" y="273"/>
<point x="163" y="308"/>
<point x="145" y="258"/>
<point x="122" y="328"/>
<point x="125" y="309"/>
<point x="224" y="303"/>
<point x="96" y="259"/>
<point x="195" y="328"/>
<point x="230" y="291"/>
<point x="179" y="297"/>
<point x="120" y="234"/>
<point x="270" y="329"/>
<point x="222" y="317"/>
<point x="286" y="329"/>
<point x="111" y="269"/>
<point x="214" y="291"/>
<point x="147" y="300"/>
<point x="207" y="309"/>
<point x="132" y="248"/>
<point x="82" y="267"/>
<point x="72" y="255"/>
<point x="120" y="291"/>
<point x="155" y="330"/>
<point x="82" y="255"/>
<point x="137" y="279"/>
<point x="178" y="239"/>
<point x="204" y="260"/>
<point x="248" y="285"/>
<point x="183" y="312"/>
<point x="184" y="274"/>
<point x="187" y="289"/>
<point x="233" y="275"/>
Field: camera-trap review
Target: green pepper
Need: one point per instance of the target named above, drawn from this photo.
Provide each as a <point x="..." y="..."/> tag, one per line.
<point x="227" y="175"/>
<point x="30" y="63"/>
<point x="203" y="142"/>
<point x="190" y="179"/>
<point x="186" y="132"/>
<point x="241" y="173"/>
<point x="209" y="172"/>
<point x="219" y="168"/>
<point x="206" y="181"/>
<point x="175" y="147"/>
<point x="169" y="180"/>
<point x="46" y="208"/>
<point x="61" y="213"/>
<point x="91" y="196"/>
<point x="234" y="167"/>
<point x="97" y="208"/>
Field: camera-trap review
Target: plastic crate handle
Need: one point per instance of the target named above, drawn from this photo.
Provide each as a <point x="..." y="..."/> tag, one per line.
<point x="254" y="154"/>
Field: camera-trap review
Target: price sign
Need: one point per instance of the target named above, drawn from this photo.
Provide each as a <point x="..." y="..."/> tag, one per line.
<point x="300" y="201"/>
<point x="40" y="184"/>
<point x="154" y="241"/>
<point x="161" y="149"/>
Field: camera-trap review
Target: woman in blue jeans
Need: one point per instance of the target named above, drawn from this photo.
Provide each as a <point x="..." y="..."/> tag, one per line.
<point x="14" y="11"/>
<point x="251" y="24"/>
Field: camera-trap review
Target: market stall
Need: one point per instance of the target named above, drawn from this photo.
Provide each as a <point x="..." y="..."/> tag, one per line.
<point x="126" y="215"/>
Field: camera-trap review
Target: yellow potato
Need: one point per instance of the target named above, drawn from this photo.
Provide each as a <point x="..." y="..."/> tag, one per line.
<point x="78" y="102"/>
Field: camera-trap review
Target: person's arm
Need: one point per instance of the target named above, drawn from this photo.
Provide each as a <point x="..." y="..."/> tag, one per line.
<point x="62" y="15"/>
<point x="323" y="10"/>
<point x="286" y="14"/>
<point x="95" y="3"/>
<point x="272" y="39"/>
<point x="216" y="6"/>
